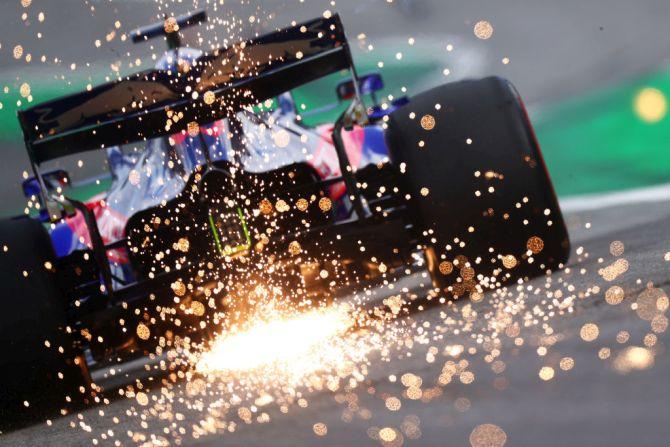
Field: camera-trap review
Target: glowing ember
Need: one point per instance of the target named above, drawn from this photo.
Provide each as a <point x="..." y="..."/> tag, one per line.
<point x="197" y="308"/>
<point x="509" y="261"/>
<point x="614" y="295"/>
<point x="616" y="248"/>
<point x="567" y="363"/>
<point x="546" y="373"/>
<point x="589" y="332"/>
<point x="294" y="248"/>
<point x="143" y="331"/>
<point x="265" y="207"/>
<point x="488" y="435"/>
<point x="320" y="429"/>
<point x="282" y="206"/>
<point x="387" y="434"/>
<point x="302" y="204"/>
<point x="182" y="245"/>
<point x="18" y="52"/>
<point x="393" y="403"/>
<point x="446" y="267"/>
<point x="142" y="399"/>
<point x="483" y="29"/>
<point x="325" y="204"/>
<point x="428" y="122"/>
<point x="178" y="288"/>
<point x="535" y="244"/>
<point x="209" y="97"/>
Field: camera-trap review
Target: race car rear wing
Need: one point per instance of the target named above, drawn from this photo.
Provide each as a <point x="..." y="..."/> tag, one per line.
<point x="139" y="106"/>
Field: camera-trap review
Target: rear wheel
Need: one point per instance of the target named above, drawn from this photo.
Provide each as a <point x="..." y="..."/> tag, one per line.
<point x="482" y="199"/>
<point x="40" y="372"/>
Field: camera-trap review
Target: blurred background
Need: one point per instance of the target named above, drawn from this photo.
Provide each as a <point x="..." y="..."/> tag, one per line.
<point x="594" y="75"/>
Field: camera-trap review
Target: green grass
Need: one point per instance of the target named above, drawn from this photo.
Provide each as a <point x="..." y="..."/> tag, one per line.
<point x="597" y="142"/>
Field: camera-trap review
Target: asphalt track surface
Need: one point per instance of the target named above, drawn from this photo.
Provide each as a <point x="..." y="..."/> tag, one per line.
<point x="593" y="404"/>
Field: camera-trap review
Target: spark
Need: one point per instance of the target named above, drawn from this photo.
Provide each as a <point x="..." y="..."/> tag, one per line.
<point x="293" y="346"/>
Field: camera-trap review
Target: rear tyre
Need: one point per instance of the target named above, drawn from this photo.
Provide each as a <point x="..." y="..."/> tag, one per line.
<point x="482" y="199"/>
<point x="36" y="381"/>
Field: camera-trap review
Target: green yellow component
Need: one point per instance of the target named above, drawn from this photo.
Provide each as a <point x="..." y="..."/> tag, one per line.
<point x="228" y="250"/>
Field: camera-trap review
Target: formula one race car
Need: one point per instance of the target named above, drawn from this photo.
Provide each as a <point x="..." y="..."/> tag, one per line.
<point x="218" y="182"/>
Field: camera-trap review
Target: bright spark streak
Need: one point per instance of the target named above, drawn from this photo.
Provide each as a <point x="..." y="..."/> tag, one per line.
<point x="299" y="344"/>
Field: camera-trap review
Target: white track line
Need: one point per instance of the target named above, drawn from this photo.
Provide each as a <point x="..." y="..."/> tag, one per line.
<point x="588" y="202"/>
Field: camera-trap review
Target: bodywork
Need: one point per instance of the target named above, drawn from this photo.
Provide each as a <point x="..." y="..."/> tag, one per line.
<point x="180" y="139"/>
